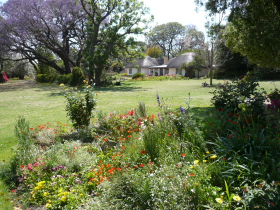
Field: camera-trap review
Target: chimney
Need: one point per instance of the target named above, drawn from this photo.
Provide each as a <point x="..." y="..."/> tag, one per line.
<point x="165" y="60"/>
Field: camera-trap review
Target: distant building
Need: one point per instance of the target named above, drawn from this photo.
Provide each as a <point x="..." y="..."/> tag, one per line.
<point x="162" y="66"/>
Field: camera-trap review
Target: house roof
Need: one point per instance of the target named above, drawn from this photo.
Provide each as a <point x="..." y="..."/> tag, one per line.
<point x="179" y="60"/>
<point x="146" y="62"/>
<point x="176" y="62"/>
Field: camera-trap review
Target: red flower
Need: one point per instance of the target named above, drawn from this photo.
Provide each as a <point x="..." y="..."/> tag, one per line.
<point x="143" y="152"/>
<point x="141" y="165"/>
<point x="13" y="191"/>
<point x="191" y="174"/>
<point x="183" y="155"/>
<point x="210" y="124"/>
<point x="168" y="134"/>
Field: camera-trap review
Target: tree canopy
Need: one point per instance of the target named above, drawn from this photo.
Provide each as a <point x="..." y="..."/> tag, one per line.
<point x="109" y="29"/>
<point x="72" y="30"/>
<point x="154" y="52"/>
<point x="170" y="37"/>
<point x="56" y="25"/>
<point x="253" y="28"/>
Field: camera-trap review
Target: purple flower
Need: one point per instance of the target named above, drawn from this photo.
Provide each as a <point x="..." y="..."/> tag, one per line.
<point x="158" y="100"/>
<point x="182" y="110"/>
<point x="159" y="117"/>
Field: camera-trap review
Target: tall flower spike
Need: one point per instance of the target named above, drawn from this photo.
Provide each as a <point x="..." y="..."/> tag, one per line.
<point x="158" y="100"/>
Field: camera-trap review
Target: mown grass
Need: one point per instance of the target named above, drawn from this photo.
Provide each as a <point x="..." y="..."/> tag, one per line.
<point x="41" y="104"/>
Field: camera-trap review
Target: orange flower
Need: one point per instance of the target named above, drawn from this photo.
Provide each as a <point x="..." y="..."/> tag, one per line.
<point x="141" y="165"/>
<point x="183" y="155"/>
<point x="191" y="174"/>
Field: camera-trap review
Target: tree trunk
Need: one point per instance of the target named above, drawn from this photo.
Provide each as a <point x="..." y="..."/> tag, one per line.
<point x="97" y="76"/>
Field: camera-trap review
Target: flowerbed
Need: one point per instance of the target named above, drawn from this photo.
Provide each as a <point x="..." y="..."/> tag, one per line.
<point x="165" y="161"/>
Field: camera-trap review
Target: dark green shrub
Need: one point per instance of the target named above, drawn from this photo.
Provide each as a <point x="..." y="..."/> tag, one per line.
<point x="77" y="77"/>
<point x="42" y="78"/>
<point x="138" y="75"/>
<point x="80" y="106"/>
<point x="241" y="95"/>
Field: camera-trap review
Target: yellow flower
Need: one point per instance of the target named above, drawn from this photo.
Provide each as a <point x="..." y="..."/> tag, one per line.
<point x="48" y="205"/>
<point x="46" y="194"/>
<point x="85" y="81"/>
<point x="63" y="199"/>
<point x="196" y="162"/>
<point x="192" y="167"/>
<point x="219" y="200"/>
<point x="236" y="198"/>
<point x="213" y="156"/>
<point x="204" y="161"/>
<point x="88" y="86"/>
<point x="37" y="188"/>
<point x="66" y="193"/>
<point x="61" y="85"/>
<point x="207" y="152"/>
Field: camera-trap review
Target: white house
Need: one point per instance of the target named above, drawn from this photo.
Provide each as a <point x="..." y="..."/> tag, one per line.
<point x="160" y="67"/>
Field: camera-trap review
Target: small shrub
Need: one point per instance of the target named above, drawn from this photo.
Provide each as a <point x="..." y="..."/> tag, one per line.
<point x="138" y="75"/>
<point x="79" y="107"/>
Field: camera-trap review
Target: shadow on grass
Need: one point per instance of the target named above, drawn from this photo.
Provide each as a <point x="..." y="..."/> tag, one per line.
<point x="122" y="88"/>
<point x="17" y="85"/>
<point x="200" y="113"/>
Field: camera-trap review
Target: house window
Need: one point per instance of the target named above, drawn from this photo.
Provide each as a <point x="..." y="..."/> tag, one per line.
<point x="130" y="71"/>
<point x="139" y="70"/>
<point x="166" y="71"/>
<point x="179" y="71"/>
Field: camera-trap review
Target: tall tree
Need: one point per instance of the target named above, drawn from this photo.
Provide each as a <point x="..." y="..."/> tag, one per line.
<point x="56" y="25"/>
<point x="253" y="28"/>
<point x="110" y="26"/>
<point x="195" y="40"/>
<point x="170" y="37"/>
